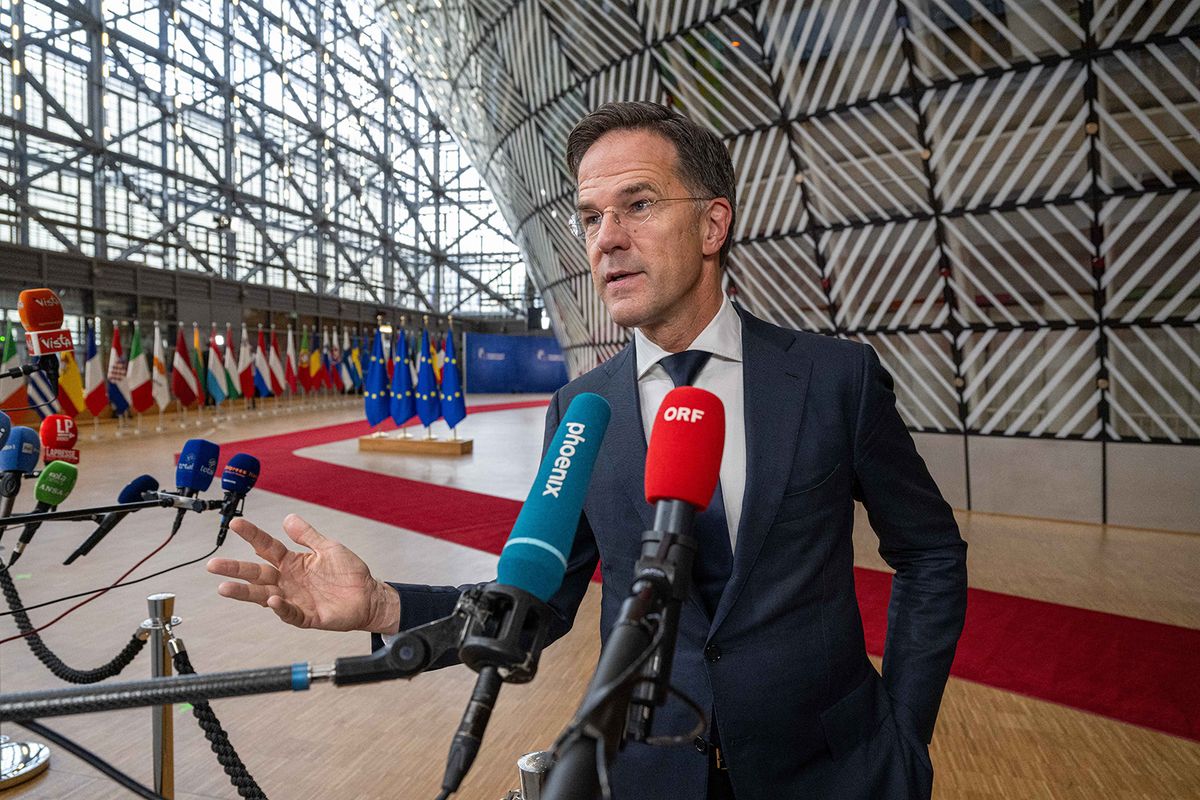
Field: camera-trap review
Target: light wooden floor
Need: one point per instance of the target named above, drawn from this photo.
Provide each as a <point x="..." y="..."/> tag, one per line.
<point x="390" y="740"/>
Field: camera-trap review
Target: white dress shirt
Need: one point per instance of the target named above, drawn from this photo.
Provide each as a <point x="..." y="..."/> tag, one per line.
<point x="721" y="375"/>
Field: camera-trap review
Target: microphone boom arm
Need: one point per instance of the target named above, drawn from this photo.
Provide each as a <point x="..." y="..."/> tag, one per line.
<point x="85" y="514"/>
<point x="617" y="703"/>
<point x="412" y="653"/>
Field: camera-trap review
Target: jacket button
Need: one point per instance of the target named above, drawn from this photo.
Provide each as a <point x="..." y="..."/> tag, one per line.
<point x="701" y="745"/>
<point x="712" y="653"/>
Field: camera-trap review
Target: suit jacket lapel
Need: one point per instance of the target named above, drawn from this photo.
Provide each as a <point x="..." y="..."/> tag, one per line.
<point x="626" y="435"/>
<point x="775" y="382"/>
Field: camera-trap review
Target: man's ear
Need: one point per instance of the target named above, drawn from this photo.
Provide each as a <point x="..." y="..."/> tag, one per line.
<point x="715" y="225"/>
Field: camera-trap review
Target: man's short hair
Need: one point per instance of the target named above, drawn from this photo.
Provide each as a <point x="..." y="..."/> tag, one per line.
<point x="704" y="164"/>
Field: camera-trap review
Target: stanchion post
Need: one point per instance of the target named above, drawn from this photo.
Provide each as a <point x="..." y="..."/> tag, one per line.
<point x="162" y="619"/>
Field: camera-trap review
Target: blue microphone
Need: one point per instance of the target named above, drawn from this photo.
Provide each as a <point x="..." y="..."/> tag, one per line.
<point x="237" y="479"/>
<point x="535" y="556"/>
<point x="197" y="466"/>
<point x="5" y="428"/>
<point x="130" y="494"/>
<point x="195" y="471"/>
<point x="18" y="457"/>
<point x="532" y="565"/>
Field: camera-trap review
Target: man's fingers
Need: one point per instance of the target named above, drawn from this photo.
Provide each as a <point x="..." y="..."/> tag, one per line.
<point x="265" y="545"/>
<point x="247" y="592"/>
<point x="286" y="611"/>
<point x="244" y="570"/>
<point x="302" y="533"/>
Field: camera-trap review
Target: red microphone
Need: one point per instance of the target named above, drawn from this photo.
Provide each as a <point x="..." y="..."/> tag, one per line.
<point x="683" y="463"/>
<point x="42" y="316"/>
<point x="59" y="433"/>
<point x="683" y="460"/>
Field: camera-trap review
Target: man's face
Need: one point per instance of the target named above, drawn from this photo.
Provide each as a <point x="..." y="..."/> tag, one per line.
<point x="654" y="273"/>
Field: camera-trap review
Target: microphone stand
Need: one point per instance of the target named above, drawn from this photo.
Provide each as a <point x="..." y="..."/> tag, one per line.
<point x="412" y="653"/>
<point x="621" y="697"/>
<point x="94" y="513"/>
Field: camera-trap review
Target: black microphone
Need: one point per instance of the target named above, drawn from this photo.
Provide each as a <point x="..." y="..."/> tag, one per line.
<point x="55" y="484"/>
<point x="130" y="494"/>
<point x="237" y="479"/>
<point x="48" y="364"/>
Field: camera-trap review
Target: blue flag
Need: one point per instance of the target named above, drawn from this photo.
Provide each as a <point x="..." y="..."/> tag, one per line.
<point x="454" y="404"/>
<point x="428" y="407"/>
<point x="375" y="399"/>
<point x="404" y="402"/>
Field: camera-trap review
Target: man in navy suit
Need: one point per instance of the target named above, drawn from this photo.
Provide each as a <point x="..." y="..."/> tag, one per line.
<point x="770" y="641"/>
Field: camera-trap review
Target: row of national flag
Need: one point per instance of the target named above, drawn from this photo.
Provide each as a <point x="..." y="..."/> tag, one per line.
<point x="137" y="380"/>
<point x="390" y="389"/>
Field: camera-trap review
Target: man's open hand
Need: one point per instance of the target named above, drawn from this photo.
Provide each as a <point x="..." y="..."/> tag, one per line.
<point x="329" y="587"/>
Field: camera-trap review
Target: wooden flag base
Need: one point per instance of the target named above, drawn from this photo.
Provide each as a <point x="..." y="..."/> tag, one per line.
<point x="415" y="446"/>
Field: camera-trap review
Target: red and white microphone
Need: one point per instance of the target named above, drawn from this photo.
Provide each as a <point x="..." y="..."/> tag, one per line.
<point x="42" y="316"/>
<point x="683" y="460"/>
<point x="59" y="434"/>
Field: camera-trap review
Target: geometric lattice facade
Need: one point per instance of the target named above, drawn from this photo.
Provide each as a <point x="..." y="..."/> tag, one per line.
<point x="1003" y="198"/>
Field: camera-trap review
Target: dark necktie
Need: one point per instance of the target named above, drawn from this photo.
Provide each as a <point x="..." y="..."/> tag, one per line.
<point x="714" y="558"/>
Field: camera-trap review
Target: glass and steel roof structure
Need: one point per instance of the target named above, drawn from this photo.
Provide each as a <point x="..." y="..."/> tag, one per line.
<point x="277" y="142"/>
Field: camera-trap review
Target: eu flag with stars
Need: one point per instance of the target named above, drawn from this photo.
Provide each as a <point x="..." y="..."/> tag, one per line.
<point x="428" y="407"/>
<point x="404" y="401"/>
<point x="454" y="405"/>
<point x="375" y="398"/>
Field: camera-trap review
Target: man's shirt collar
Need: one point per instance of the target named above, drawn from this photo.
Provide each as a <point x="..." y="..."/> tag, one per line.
<point x="722" y="337"/>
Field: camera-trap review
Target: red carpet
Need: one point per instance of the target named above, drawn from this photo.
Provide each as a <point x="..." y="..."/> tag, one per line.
<point x="1128" y="669"/>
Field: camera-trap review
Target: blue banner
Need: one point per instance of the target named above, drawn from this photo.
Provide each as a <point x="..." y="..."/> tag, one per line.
<point x="500" y="363"/>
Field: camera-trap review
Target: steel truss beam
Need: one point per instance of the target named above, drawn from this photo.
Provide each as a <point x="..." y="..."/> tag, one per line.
<point x="364" y="210"/>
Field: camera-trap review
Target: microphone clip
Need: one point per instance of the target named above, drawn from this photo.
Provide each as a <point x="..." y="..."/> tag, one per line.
<point x="491" y="626"/>
<point x="507" y="630"/>
<point x="412" y="651"/>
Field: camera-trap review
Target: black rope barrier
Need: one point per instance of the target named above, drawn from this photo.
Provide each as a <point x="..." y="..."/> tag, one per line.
<point x="239" y="776"/>
<point x="52" y="661"/>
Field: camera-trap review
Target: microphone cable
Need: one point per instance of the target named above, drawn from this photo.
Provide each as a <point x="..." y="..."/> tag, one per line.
<point x="86" y="592"/>
<point x="52" y="662"/>
<point x="78" y="750"/>
<point x="26" y="634"/>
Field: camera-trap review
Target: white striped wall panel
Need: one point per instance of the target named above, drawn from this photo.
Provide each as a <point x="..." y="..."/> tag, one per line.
<point x="999" y="200"/>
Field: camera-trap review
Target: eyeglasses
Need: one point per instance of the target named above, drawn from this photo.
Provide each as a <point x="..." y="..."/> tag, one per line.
<point x="586" y="224"/>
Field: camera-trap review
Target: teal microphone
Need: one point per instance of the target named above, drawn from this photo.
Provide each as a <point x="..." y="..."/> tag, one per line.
<point x="532" y="565"/>
<point x="535" y="557"/>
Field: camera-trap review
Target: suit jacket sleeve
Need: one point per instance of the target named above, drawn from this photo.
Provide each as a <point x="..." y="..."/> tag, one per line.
<point x="919" y="539"/>
<point x="420" y="603"/>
